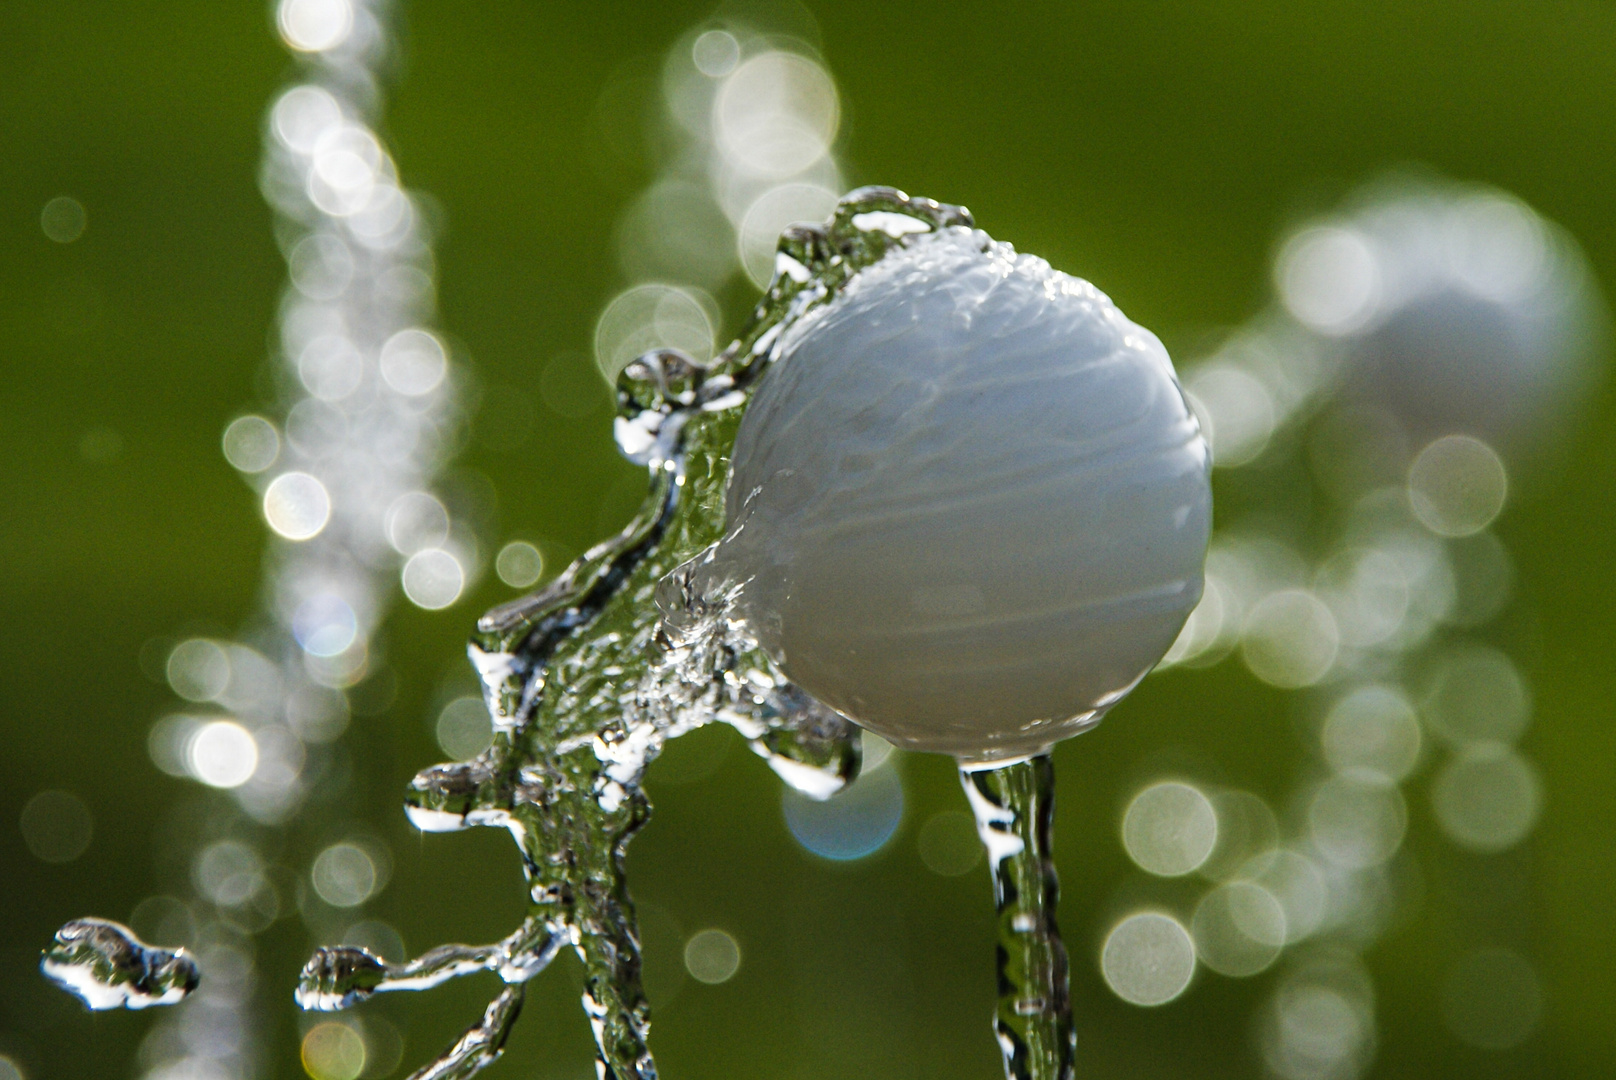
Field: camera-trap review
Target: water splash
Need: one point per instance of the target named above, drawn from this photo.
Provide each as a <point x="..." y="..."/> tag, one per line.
<point x="588" y="678"/>
<point x="104" y="965"/>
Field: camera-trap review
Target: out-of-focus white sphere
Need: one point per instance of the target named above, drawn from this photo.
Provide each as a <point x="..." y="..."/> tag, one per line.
<point x="969" y="505"/>
<point x="1456" y="308"/>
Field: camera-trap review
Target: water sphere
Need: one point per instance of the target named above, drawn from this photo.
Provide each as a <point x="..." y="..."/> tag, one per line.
<point x="969" y="505"/>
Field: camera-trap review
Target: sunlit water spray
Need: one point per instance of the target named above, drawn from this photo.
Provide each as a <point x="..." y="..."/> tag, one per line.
<point x="685" y="618"/>
<point x="342" y="469"/>
<point x="1041" y="419"/>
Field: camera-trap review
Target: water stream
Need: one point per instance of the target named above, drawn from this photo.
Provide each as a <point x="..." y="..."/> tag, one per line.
<point x="1014" y="806"/>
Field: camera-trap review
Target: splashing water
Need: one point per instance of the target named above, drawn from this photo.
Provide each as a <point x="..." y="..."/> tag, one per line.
<point x="104" y="965"/>
<point x="587" y="679"/>
<point x="653" y="633"/>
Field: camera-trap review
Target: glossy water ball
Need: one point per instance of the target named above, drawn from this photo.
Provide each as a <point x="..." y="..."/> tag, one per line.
<point x="969" y="504"/>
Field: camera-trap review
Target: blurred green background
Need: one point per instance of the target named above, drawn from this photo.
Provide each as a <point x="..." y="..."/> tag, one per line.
<point x="1155" y="149"/>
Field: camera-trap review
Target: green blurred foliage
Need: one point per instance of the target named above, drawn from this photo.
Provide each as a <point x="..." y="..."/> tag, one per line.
<point x="1157" y="149"/>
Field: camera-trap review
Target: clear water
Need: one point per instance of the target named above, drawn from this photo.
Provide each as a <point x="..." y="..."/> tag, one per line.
<point x="104" y="965"/>
<point x="1014" y="806"/>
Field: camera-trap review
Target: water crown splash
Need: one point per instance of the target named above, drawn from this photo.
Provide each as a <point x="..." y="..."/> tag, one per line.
<point x="690" y="616"/>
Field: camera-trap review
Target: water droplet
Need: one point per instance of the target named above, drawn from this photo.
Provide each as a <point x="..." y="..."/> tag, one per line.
<point x="1373" y="729"/>
<point x="344" y="875"/>
<point x="1316" y="1031"/>
<point x="1148" y="959"/>
<point x="519" y="564"/>
<point x="1476" y="694"/>
<point x="1457" y="485"/>
<point x="1487" y="798"/>
<point x="712" y="956"/>
<point x="63" y="219"/>
<point x="716" y="53"/>
<point x="333" y="1050"/>
<point x="321" y="267"/>
<point x="105" y="966"/>
<point x="198" y="670"/>
<point x="850" y="825"/>
<point x="302" y="116"/>
<point x="776" y="115"/>
<point x="222" y="754"/>
<point x="433" y="579"/>
<point x="1246" y="830"/>
<point x="1239" y="929"/>
<point x="465" y="728"/>
<point x="1290" y="639"/>
<point x="315" y="25"/>
<point x="228" y="872"/>
<point x="1329" y="278"/>
<point x="414" y="362"/>
<point x="325" y="625"/>
<point x="1298" y="884"/>
<point x="1356" y="822"/>
<point x="297" y="505"/>
<point x="251" y="444"/>
<point x="1169" y="829"/>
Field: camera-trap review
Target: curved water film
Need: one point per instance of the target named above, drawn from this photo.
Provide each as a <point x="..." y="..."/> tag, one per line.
<point x="104" y="965"/>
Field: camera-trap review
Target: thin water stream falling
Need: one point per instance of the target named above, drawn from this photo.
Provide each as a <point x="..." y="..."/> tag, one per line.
<point x="1015" y="806"/>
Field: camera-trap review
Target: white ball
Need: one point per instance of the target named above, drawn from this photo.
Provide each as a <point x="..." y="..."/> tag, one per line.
<point x="969" y="506"/>
<point x="1456" y="309"/>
